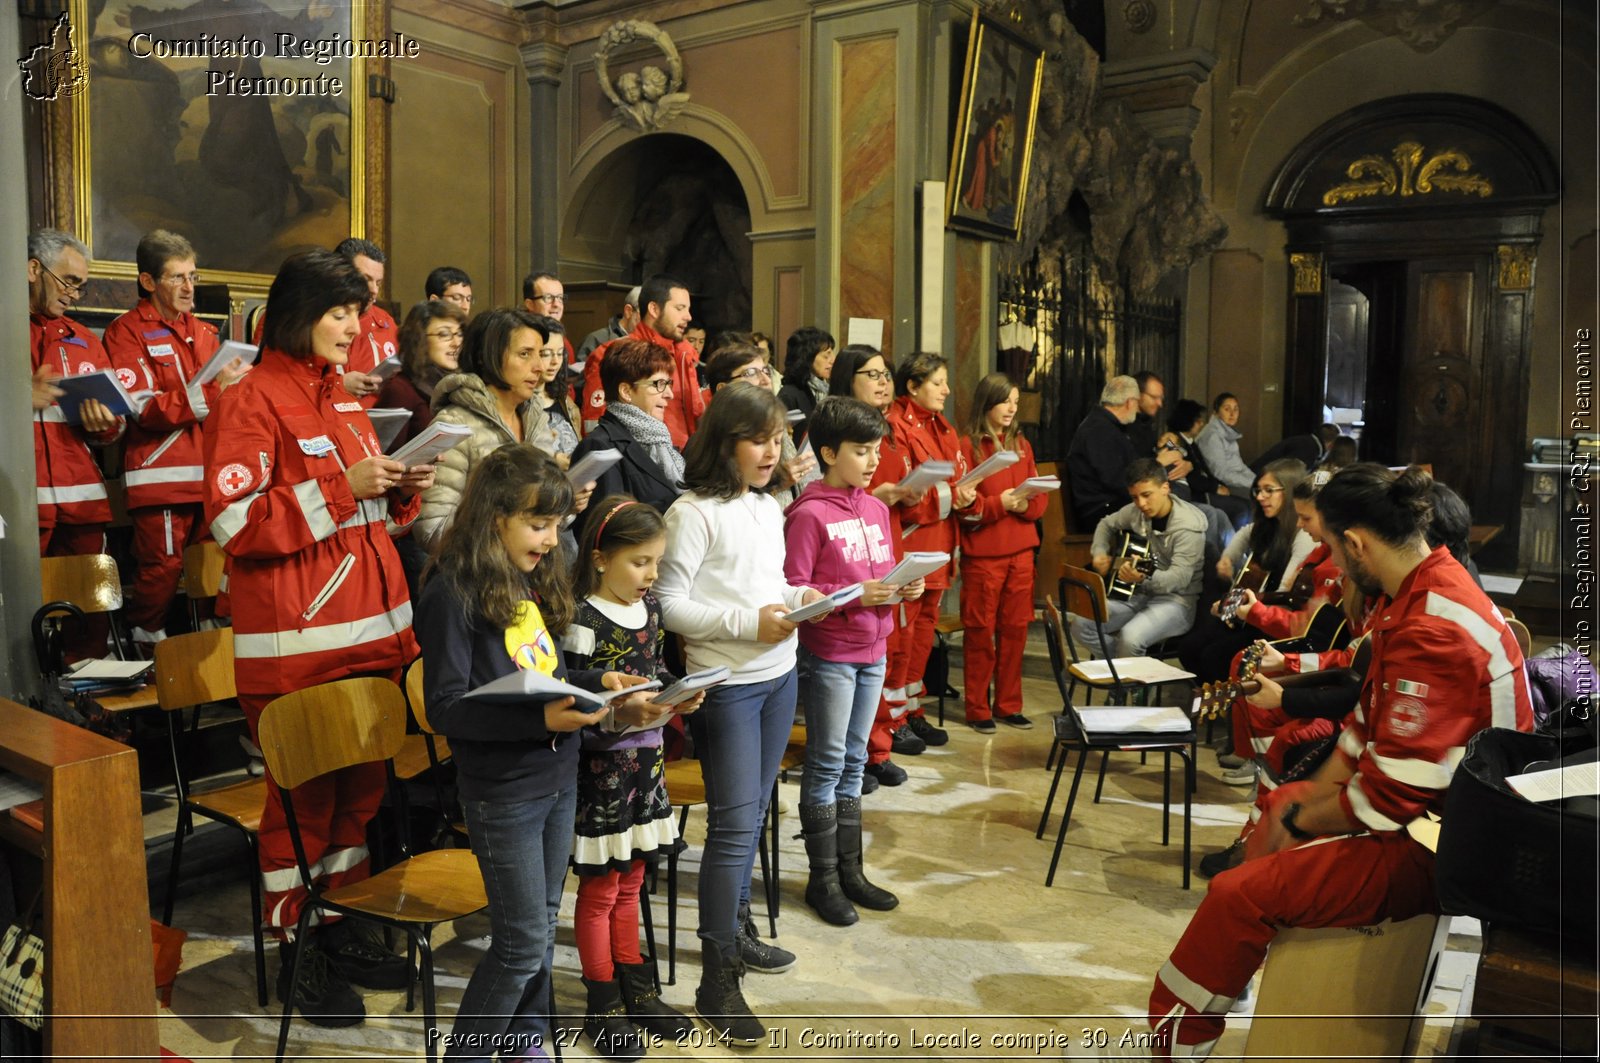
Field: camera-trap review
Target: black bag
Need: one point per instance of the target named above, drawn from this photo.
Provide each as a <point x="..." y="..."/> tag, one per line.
<point x="1506" y="859"/>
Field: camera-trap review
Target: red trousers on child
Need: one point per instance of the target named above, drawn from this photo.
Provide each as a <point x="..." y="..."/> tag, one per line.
<point x="905" y="670"/>
<point x="332" y="810"/>
<point x="160" y="535"/>
<point x="606" y="921"/>
<point x="1343" y="880"/>
<point x="996" y="608"/>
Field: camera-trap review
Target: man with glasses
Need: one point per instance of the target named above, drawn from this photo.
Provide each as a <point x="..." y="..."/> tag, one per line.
<point x="451" y="285"/>
<point x="543" y="293"/>
<point x="1142" y="431"/>
<point x="664" y="310"/>
<point x="73" y="508"/>
<point x="619" y="326"/>
<point x="378" y="337"/>
<point x="157" y="347"/>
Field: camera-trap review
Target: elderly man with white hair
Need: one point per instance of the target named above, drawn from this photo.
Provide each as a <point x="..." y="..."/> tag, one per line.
<point x="1101" y="452"/>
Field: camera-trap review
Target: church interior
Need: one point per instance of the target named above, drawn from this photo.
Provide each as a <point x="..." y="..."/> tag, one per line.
<point x="1375" y="214"/>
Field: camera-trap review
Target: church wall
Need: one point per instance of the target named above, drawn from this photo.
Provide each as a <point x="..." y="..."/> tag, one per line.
<point x="459" y="184"/>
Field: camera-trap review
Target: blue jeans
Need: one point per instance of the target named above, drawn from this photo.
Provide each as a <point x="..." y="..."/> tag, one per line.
<point x="1137" y="625"/>
<point x="841" y="700"/>
<point x="522" y="849"/>
<point x="740" y="734"/>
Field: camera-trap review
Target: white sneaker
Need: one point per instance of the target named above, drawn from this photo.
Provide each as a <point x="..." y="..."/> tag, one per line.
<point x="1241" y="776"/>
<point x="256" y="765"/>
<point x="1244" y="1001"/>
<point x="139" y="634"/>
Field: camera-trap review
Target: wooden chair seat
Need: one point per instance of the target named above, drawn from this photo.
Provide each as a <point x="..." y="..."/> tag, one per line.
<point x="431" y="887"/>
<point x="241" y="802"/>
<point x="949" y="624"/>
<point x="413" y="759"/>
<point x="138" y="699"/>
<point x="685" y="784"/>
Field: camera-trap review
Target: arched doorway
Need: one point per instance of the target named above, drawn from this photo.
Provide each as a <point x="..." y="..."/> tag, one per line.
<point x="665" y="203"/>
<point x="1413" y="224"/>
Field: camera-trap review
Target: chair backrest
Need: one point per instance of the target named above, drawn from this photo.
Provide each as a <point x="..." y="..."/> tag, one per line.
<point x="1083" y="592"/>
<point x="415" y="697"/>
<point x="331" y="726"/>
<point x="1055" y="642"/>
<point x="1524" y="637"/>
<point x="89" y="581"/>
<point x="202" y="570"/>
<point x="195" y="669"/>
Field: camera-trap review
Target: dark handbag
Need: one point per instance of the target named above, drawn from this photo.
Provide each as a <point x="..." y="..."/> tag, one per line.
<point x="1505" y="859"/>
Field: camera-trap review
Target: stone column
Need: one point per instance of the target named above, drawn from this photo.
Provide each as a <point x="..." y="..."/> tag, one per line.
<point x="1159" y="90"/>
<point x="545" y="62"/>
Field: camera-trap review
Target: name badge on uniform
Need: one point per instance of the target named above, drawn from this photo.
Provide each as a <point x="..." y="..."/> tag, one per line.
<point x="161" y="350"/>
<point x="316" y="448"/>
<point x="347" y="407"/>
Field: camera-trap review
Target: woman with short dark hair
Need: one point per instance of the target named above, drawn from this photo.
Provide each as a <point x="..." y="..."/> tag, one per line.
<point x="430" y="350"/>
<point x="637" y="377"/>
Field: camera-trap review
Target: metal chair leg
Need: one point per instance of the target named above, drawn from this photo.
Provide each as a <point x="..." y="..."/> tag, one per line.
<point x="294" y="980"/>
<point x="254" y="877"/>
<point x="420" y="943"/>
<point x="650" y="938"/>
<point x="1100" y="783"/>
<point x="1066" y="818"/>
<point x="1188" y="804"/>
<point x="1055" y="780"/>
<point x="1166" y="798"/>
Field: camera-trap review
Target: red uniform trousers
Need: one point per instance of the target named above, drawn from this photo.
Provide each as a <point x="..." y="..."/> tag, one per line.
<point x="160" y="535"/>
<point x="1349" y="880"/>
<point x="890" y="715"/>
<point x="333" y="811"/>
<point x="996" y="608"/>
<point x="915" y="644"/>
<point x="606" y="921"/>
<point x="85" y="640"/>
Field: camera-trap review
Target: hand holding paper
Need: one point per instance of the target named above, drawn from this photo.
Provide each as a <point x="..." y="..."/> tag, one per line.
<point x="927" y="474"/>
<point x="825" y="604"/>
<point x="426" y="446"/>
<point x="1000" y="459"/>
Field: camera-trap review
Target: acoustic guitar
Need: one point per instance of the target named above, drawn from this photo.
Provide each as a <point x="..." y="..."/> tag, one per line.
<point x="1253" y="577"/>
<point x="1216" y="697"/>
<point x="1135" y="550"/>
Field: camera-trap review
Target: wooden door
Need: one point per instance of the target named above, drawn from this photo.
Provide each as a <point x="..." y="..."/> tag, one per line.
<point x="1443" y="416"/>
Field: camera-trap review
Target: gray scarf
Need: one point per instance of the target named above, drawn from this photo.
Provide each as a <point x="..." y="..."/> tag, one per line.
<point x="653" y="436"/>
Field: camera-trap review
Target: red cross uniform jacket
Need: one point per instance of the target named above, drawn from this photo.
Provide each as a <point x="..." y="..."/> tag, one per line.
<point x="163" y="464"/>
<point x="315" y="582"/>
<point x="688" y="403"/>
<point x="988" y="529"/>
<point x="1444" y="666"/>
<point x="71" y="489"/>
<point x="378" y="340"/>
<point x="928" y="524"/>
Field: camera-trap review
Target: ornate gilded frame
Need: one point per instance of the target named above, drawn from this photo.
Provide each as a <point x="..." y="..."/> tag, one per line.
<point x="990" y="47"/>
<point x="68" y="130"/>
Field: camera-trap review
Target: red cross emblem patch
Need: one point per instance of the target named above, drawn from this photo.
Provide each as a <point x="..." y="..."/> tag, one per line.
<point x="233" y="479"/>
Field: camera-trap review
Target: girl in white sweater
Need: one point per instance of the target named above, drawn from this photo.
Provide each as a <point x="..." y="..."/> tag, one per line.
<point x="723" y="590"/>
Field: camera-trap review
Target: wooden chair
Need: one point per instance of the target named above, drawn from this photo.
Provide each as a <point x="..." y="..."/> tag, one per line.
<point x="191" y="671"/>
<point x="1369" y="985"/>
<point x="203" y="567"/>
<point x="92" y="583"/>
<point x="1071" y="735"/>
<point x="427" y="751"/>
<point x="686" y="787"/>
<point x="337" y="725"/>
<point x="1082" y="591"/>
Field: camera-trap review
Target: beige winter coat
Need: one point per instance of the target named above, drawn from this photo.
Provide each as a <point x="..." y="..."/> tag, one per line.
<point x="464" y="399"/>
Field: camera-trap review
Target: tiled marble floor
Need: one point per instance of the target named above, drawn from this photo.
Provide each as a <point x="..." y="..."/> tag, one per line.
<point x="977" y="949"/>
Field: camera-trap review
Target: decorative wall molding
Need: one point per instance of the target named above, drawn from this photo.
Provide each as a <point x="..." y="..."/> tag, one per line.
<point x="1408" y="175"/>
<point x="1515" y="263"/>
<point x="1422" y="25"/>
<point x="1307" y="268"/>
<point x="651" y="98"/>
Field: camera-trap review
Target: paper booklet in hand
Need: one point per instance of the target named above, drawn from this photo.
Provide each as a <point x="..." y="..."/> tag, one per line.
<point x="429" y="443"/>
<point x="914" y="566"/>
<point x="927" y="474"/>
<point x="527" y="685"/>
<point x="386" y="368"/>
<point x="387" y="422"/>
<point x="592" y="466"/>
<point x="806" y="450"/>
<point x="225" y="356"/>
<point x="1038" y="485"/>
<point x="692" y="684"/>
<point x="828" y="602"/>
<point x="103" y="385"/>
<point x="1000" y="459"/>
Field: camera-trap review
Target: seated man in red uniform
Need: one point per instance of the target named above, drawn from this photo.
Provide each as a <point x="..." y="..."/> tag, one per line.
<point x="158" y="346"/>
<point x="1333" y="850"/>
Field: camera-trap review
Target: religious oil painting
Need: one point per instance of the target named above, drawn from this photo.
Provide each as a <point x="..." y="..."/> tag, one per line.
<point x="994" y="132"/>
<point x="234" y="122"/>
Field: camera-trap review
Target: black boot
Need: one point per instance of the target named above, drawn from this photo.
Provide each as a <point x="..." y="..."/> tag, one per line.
<point x="324" y="996"/>
<point x="823" y="892"/>
<point x="763" y="957"/>
<point x="645" y="1006"/>
<point x="719" y="1001"/>
<point x="606" y="1023"/>
<point x="851" y="875"/>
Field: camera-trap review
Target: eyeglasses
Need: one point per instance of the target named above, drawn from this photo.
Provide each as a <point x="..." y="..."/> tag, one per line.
<point x="1263" y="490"/>
<point x="447" y="335"/>
<point x="463" y="301"/>
<point x="874" y="374"/>
<point x="752" y="372"/>
<point x="659" y="385"/>
<point x="72" y="286"/>
<point x="548" y="299"/>
<point x="178" y="280"/>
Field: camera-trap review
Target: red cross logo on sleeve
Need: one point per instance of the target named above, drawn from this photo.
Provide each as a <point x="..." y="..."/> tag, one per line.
<point x="232" y="479"/>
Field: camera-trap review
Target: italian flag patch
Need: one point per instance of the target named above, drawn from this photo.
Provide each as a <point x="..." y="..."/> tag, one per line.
<point x="1406" y="686"/>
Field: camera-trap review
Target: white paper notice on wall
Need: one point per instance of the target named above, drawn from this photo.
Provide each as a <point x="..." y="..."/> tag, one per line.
<point x="867" y="330"/>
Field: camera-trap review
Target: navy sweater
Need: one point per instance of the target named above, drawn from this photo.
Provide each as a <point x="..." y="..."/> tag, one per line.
<point x="503" y="754"/>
